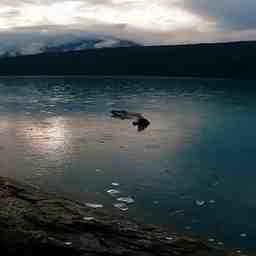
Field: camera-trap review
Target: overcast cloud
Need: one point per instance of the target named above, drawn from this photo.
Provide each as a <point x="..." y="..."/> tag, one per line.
<point x="143" y="21"/>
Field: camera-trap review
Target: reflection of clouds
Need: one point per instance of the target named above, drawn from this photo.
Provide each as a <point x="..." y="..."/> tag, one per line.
<point x="49" y="135"/>
<point x="82" y="139"/>
<point x="4" y="124"/>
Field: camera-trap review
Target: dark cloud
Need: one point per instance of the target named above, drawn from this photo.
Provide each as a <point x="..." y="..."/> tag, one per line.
<point x="229" y="14"/>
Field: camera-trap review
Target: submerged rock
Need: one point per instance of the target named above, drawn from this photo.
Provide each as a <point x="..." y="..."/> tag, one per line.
<point x="33" y="222"/>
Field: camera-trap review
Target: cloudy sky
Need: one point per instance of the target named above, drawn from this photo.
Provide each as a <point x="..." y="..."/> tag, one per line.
<point x="144" y="21"/>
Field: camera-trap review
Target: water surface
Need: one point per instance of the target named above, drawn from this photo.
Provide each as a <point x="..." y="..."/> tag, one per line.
<point x="200" y="145"/>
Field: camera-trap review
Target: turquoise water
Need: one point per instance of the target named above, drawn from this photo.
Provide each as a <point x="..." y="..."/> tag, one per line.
<point x="198" y="150"/>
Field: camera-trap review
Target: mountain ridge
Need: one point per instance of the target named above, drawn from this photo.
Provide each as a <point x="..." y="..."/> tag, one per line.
<point x="216" y="60"/>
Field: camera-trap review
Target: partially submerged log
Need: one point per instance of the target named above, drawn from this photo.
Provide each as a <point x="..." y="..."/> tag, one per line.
<point x="33" y="222"/>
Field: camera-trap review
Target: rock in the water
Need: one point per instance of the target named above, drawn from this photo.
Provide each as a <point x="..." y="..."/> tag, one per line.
<point x="140" y="121"/>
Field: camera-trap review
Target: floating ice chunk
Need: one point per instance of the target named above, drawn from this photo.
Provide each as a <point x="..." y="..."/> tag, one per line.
<point x="212" y="201"/>
<point x="88" y="218"/>
<point x="177" y="212"/>
<point x="212" y="240"/>
<point x="220" y="243"/>
<point x="113" y="192"/>
<point x="127" y="200"/>
<point x="238" y="251"/>
<point x="216" y="183"/>
<point x="188" y="227"/>
<point x="121" y="206"/>
<point x="185" y="197"/>
<point x="94" y="205"/>
<point x="115" y="184"/>
<point x="169" y="238"/>
<point x="200" y="203"/>
<point x="243" y="235"/>
<point x="68" y="243"/>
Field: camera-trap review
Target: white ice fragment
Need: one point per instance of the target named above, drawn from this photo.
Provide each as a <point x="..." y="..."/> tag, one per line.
<point x="115" y="184"/>
<point x="113" y="192"/>
<point x="91" y="205"/>
<point x="68" y="243"/>
<point x="212" y="240"/>
<point x="88" y="218"/>
<point x="177" y="212"/>
<point x="220" y="243"/>
<point x="216" y="183"/>
<point x="243" y="235"/>
<point x="212" y="201"/>
<point x="200" y="203"/>
<point x="121" y="206"/>
<point x="169" y="238"/>
<point x="127" y="200"/>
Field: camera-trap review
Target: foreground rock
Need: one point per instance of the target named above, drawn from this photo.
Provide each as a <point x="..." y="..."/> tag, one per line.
<point x="36" y="223"/>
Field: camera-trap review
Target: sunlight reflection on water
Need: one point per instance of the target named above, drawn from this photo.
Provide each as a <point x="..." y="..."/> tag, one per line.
<point x="58" y="133"/>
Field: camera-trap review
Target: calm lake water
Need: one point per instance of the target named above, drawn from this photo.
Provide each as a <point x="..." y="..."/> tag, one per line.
<point x="201" y="145"/>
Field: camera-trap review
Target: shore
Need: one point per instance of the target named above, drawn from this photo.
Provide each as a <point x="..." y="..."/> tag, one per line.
<point x="33" y="222"/>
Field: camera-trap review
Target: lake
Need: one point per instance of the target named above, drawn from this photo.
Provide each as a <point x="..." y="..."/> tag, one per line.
<point x="193" y="169"/>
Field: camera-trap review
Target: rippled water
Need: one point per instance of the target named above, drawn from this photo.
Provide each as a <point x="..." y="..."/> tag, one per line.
<point x="192" y="168"/>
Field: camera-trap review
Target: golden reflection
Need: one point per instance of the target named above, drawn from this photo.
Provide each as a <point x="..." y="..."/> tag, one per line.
<point x="47" y="135"/>
<point x="4" y="124"/>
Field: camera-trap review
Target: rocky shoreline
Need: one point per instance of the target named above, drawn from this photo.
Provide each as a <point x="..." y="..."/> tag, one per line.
<point x="33" y="222"/>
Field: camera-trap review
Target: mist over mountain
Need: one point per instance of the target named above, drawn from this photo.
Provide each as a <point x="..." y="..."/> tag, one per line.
<point x="61" y="45"/>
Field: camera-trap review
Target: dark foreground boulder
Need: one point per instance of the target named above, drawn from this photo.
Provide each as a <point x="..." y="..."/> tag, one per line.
<point x="37" y="223"/>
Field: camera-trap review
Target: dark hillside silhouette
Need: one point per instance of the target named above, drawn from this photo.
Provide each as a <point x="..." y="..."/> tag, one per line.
<point x="222" y="60"/>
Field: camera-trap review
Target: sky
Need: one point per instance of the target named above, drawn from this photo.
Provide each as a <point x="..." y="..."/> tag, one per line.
<point x="149" y="22"/>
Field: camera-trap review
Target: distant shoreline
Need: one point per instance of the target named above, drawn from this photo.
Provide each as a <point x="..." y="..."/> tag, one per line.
<point x="218" y="61"/>
<point x="127" y="77"/>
